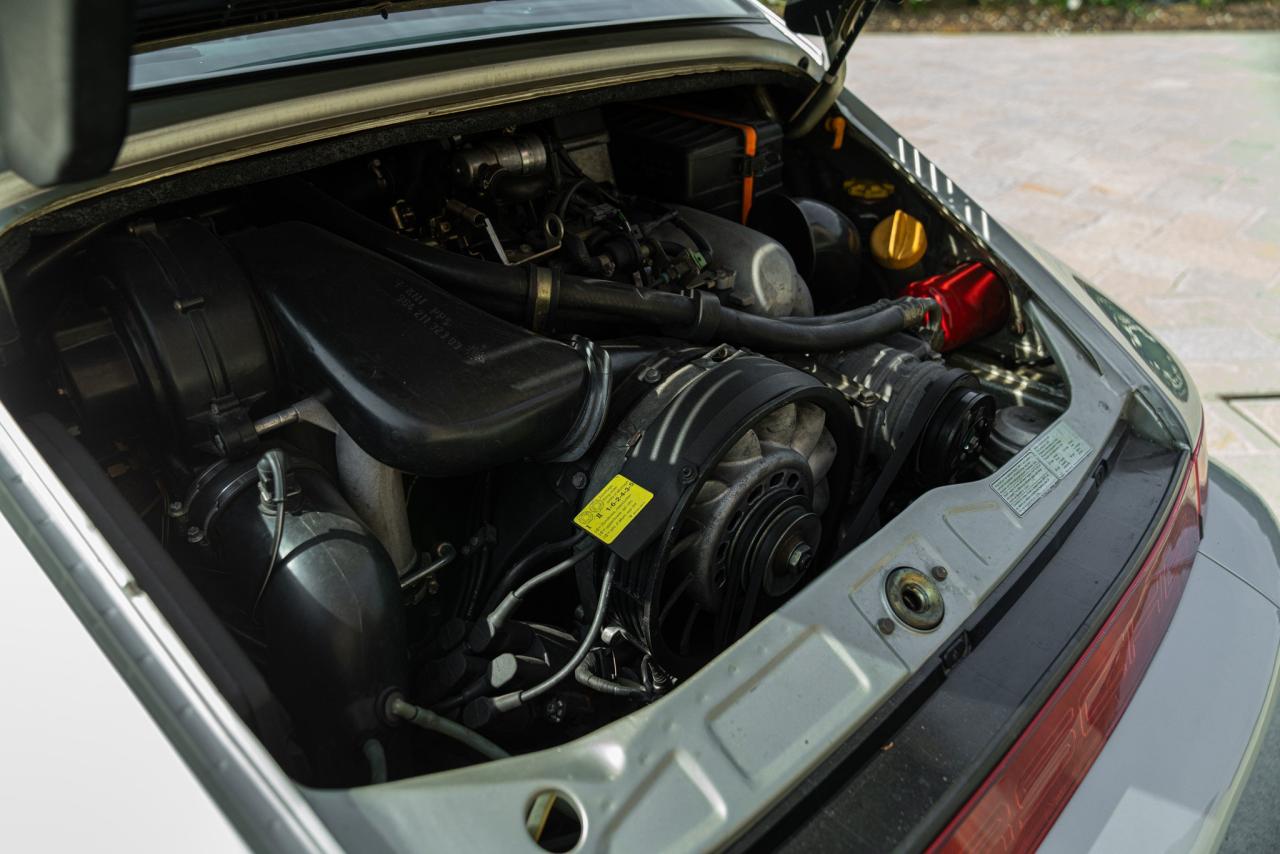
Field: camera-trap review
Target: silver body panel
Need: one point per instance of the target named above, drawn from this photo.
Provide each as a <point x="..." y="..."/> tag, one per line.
<point x="77" y="735"/>
<point x="1171" y="774"/>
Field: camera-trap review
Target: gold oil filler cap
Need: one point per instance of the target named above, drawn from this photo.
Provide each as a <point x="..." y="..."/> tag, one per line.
<point x="867" y="190"/>
<point x="898" y="241"/>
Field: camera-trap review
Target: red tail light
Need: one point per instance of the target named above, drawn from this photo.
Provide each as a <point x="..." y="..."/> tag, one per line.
<point x="1020" y="800"/>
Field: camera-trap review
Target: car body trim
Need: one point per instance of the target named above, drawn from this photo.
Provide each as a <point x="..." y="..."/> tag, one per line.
<point x="261" y="801"/>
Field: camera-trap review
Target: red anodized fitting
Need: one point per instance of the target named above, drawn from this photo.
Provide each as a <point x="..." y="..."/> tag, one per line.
<point x="972" y="300"/>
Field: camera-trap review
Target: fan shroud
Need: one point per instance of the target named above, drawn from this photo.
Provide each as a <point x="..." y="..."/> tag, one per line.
<point x="750" y="535"/>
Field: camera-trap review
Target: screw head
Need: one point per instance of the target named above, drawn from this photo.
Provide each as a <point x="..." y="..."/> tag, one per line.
<point x="555" y="710"/>
<point x="579" y="480"/>
<point x="939" y="573"/>
<point x="652" y="375"/>
<point x="801" y="556"/>
<point x="885" y="625"/>
<point x="194" y="534"/>
<point x="687" y="474"/>
<point x="175" y="508"/>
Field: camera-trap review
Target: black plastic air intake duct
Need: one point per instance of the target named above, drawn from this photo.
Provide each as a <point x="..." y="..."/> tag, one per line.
<point x="421" y="380"/>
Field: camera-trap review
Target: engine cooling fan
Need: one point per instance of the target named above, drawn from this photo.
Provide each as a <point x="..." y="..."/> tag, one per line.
<point x="751" y="529"/>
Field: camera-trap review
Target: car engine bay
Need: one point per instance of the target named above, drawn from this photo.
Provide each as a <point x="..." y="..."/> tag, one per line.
<point x="508" y="434"/>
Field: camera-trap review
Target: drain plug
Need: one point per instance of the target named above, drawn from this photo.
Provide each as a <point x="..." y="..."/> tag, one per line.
<point x="914" y="598"/>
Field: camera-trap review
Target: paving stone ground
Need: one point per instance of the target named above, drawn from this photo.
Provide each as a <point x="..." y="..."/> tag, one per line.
<point x="1150" y="163"/>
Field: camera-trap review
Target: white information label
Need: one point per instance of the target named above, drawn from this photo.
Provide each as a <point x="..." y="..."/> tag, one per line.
<point x="1025" y="483"/>
<point x="1039" y="467"/>
<point x="1060" y="448"/>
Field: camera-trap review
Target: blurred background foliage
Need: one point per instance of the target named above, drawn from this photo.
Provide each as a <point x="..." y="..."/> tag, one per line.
<point x="1058" y="16"/>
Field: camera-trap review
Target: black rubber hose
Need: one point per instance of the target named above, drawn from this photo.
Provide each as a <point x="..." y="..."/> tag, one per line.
<point x="563" y="208"/>
<point x="700" y="318"/>
<point x="515" y="575"/>
<point x="771" y="335"/>
<point x="693" y="234"/>
<point x="842" y="317"/>
<point x="587" y="678"/>
<point x="398" y="707"/>
<point x="484" y="631"/>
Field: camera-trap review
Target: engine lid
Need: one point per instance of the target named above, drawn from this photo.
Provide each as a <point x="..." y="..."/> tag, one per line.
<point x="64" y="69"/>
<point x="65" y="65"/>
<point x="64" y="80"/>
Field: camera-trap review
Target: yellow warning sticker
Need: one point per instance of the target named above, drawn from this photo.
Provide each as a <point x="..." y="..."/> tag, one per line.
<point x="611" y="511"/>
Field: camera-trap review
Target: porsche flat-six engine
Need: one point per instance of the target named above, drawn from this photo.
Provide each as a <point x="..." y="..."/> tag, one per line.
<point x="507" y="434"/>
